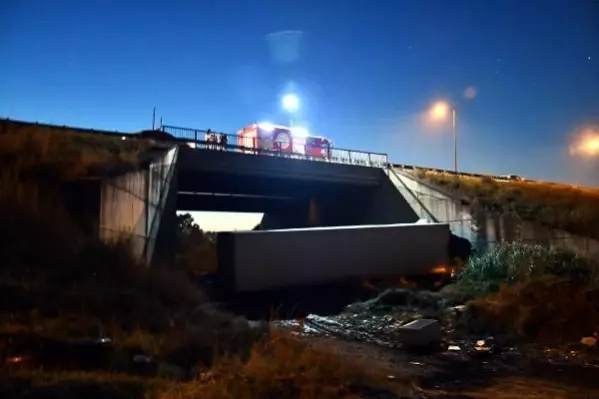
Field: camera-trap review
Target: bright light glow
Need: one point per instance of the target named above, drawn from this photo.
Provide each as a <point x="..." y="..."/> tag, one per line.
<point x="440" y="110"/>
<point x="267" y="127"/>
<point x="225" y="221"/>
<point x="299" y="132"/>
<point x="587" y="143"/>
<point x="291" y="102"/>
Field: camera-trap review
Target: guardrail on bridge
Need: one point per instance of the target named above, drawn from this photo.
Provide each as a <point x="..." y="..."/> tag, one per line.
<point x="218" y="141"/>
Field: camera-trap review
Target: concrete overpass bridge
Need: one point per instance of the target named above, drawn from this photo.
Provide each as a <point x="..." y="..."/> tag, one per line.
<point x="291" y="193"/>
<point x="292" y="190"/>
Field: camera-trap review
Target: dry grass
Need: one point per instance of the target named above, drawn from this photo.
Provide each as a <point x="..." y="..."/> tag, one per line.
<point x="278" y="367"/>
<point x="57" y="285"/>
<point x="548" y="310"/>
<point x="530" y="292"/>
<point x="31" y="152"/>
<point x="529" y="388"/>
<point x="573" y="209"/>
<point x="285" y="367"/>
<point x="524" y="388"/>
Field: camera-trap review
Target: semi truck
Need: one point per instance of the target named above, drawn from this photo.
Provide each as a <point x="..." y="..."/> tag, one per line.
<point x="253" y="261"/>
<point x="283" y="140"/>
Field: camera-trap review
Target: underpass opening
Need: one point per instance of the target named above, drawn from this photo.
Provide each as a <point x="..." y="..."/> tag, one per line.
<point x="215" y="222"/>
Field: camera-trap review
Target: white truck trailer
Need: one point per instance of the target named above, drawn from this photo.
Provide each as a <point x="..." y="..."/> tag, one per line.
<point x="252" y="261"/>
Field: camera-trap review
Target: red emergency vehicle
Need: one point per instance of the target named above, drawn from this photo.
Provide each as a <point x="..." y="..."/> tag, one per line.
<point x="283" y="139"/>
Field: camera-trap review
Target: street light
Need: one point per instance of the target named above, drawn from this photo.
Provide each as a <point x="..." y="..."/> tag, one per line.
<point x="587" y="144"/>
<point x="291" y="104"/>
<point x="440" y="111"/>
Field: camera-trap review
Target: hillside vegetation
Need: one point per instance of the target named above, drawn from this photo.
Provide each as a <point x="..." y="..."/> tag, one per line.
<point x="535" y="293"/>
<point x="43" y="152"/>
<point x="64" y="294"/>
<point x="559" y="206"/>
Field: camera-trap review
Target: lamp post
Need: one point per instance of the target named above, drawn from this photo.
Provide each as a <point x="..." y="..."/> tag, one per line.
<point x="440" y="111"/>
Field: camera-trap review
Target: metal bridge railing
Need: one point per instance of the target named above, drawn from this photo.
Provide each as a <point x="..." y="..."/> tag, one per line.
<point x="218" y="141"/>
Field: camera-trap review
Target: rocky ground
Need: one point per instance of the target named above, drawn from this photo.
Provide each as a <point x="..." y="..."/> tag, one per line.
<point x="450" y="362"/>
<point x="459" y="364"/>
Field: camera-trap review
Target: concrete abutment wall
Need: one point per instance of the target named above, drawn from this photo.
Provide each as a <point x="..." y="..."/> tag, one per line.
<point x="485" y="229"/>
<point x="132" y="206"/>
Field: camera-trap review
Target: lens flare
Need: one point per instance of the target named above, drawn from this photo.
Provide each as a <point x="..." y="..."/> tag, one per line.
<point x="586" y="142"/>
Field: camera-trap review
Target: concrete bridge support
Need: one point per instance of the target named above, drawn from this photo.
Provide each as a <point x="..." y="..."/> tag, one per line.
<point x="382" y="205"/>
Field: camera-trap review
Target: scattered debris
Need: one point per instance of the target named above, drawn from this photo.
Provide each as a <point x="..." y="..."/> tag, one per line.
<point x="420" y="333"/>
<point x="589" y="341"/>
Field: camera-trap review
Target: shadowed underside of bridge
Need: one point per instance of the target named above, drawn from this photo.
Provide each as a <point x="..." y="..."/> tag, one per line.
<point x="290" y="192"/>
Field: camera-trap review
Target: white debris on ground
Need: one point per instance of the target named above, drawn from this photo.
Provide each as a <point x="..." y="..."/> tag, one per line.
<point x="420" y="333"/>
<point x="403" y="318"/>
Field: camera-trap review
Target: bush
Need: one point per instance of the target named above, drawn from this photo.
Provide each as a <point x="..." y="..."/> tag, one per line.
<point x="530" y="292"/>
<point x="514" y="262"/>
<point x="196" y="249"/>
<point x="57" y="283"/>
<point x="544" y="309"/>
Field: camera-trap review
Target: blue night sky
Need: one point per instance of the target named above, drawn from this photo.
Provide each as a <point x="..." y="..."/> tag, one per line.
<point x="366" y="70"/>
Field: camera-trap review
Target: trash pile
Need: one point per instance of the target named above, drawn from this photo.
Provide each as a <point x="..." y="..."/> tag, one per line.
<point x="409" y="319"/>
<point x="396" y="318"/>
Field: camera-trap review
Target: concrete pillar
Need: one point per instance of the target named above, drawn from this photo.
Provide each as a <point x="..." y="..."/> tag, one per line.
<point x="313" y="219"/>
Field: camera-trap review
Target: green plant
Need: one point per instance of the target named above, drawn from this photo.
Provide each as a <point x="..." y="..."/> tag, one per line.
<point x="196" y="249"/>
<point x="513" y="262"/>
<point x="560" y="206"/>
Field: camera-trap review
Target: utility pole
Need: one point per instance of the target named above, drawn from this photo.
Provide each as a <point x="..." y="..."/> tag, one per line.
<point x="153" y="118"/>
<point x="455" y="141"/>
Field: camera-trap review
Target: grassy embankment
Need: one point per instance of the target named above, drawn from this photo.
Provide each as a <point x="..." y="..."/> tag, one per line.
<point x="559" y="206"/>
<point x="530" y="293"/>
<point x="58" y="286"/>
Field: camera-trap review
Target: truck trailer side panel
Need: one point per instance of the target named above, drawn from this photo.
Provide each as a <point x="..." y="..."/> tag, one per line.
<point x="262" y="260"/>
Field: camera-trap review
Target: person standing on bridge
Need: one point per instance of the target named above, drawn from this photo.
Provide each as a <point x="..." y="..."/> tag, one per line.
<point x="224" y="141"/>
<point x="212" y="140"/>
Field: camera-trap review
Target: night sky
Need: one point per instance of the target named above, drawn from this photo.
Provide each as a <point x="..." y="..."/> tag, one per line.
<point x="366" y="71"/>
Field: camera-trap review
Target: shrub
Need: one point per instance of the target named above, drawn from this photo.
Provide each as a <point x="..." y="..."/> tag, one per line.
<point x="196" y="249"/>
<point x="512" y="262"/>
<point x="545" y="309"/>
<point x="57" y="283"/>
<point x="421" y="174"/>
<point x="530" y="292"/>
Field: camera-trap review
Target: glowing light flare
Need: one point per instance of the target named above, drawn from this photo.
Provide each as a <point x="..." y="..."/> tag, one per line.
<point x="299" y="132"/>
<point x="290" y="102"/>
<point x="266" y="126"/>
<point x="470" y="92"/>
<point x="587" y="143"/>
<point x="440" y="111"/>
